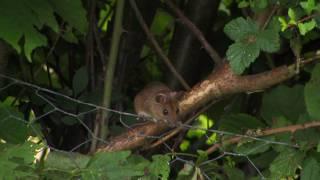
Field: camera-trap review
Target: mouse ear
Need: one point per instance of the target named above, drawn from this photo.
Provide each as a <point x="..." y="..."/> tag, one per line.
<point x="177" y="95"/>
<point x="161" y="98"/>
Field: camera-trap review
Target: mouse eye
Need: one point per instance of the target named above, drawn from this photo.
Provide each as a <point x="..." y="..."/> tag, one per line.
<point x="177" y="111"/>
<point x="165" y="112"/>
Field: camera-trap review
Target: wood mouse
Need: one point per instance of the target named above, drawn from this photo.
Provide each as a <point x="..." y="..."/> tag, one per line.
<point x="157" y="102"/>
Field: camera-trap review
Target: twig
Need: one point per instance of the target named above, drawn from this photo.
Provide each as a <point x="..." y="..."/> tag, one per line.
<point x="156" y="45"/>
<point x="274" y="9"/>
<point x="267" y="132"/>
<point x="198" y="34"/>
<point x="303" y="20"/>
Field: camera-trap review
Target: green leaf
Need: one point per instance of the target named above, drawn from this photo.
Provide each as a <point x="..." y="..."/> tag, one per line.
<point x="44" y="12"/>
<point x="203" y="123"/>
<point x="306" y="27"/>
<point x="283" y="101"/>
<point x="17" y="21"/>
<point x="243" y="4"/>
<point x="311" y="93"/>
<point x="184" y="145"/>
<point x="292" y="15"/>
<point x="16" y="161"/>
<point x="283" y="23"/>
<point x="259" y="5"/>
<point x="161" y="22"/>
<point x="310" y="169"/>
<point x="241" y="55"/>
<point x="160" y="166"/>
<point x="308" y="6"/>
<point x="186" y="172"/>
<point x="307" y="139"/>
<point x="268" y="41"/>
<point x="112" y="165"/>
<point x="239" y="28"/>
<point x="286" y="164"/>
<point x="238" y="123"/>
<point x="59" y="161"/>
<point x="73" y="12"/>
<point x="234" y="173"/>
<point x="252" y="148"/>
<point x="22" y="19"/>
<point x="68" y="120"/>
<point x="13" y="126"/>
<point x="80" y="80"/>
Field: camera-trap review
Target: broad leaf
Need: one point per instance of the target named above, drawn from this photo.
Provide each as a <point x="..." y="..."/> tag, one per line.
<point x="286" y="164"/>
<point x="160" y="167"/>
<point x="268" y="41"/>
<point x="112" y="165"/>
<point x="80" y="80"/>
<point x="13" y="126"/>
<point x="16" y="161"/>
<point x="73" y="12"/>
<point x="239" y="123"/>
<point x="283" y="101"/>
<point x="241" y="55"/>
<point x="239" y="28"/>
<point x="310" y="169"/>
<point x="312" y="93"/>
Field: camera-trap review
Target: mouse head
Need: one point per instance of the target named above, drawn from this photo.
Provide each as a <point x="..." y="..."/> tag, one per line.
<point x="165" y="106"/>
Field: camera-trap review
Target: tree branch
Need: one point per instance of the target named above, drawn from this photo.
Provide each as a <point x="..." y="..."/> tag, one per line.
<point x="265" y="132"/>
<point x="199" y="35"/>
<point x="220" y="83"/>
<point x="156" y="46"/>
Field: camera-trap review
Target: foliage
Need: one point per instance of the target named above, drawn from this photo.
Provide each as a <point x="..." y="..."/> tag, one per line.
<point x="60" y="48"/>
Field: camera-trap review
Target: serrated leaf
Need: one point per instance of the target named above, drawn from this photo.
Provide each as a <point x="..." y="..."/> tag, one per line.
<point x="238" y="123"/>
<point x="17" y="21"/>
<point x="283" y="101"/>
<point x="243" y="4"/>
<point x="260" y="4"/>
<point x="252" y="148"/>
<point x="306" y="27"/>
<point x="80" y="80"/>
<point x="13" y="126"/>
<point x="239" y="28"/>
<point x="16" y="160"/>
<point x="268" y="41"/>
<point x="308" y="6"/>
<point x="286" y="164"/>
<point x="241" y="55"/>
<point x="234" y="173"/>
<point x="311" y="93"/>
<point x="186" y="172"/>
<point x="23" y="19"/>
<point x="160" y="166"/>
<point x="283" y="23"/>
<point x="44" y="12"/>
<point x="73" y="12"/>
<point x="292" y="15"/>
<point x="112" y="165"/>
<point x="66" y="161"/>
<point x="310" y="170"/>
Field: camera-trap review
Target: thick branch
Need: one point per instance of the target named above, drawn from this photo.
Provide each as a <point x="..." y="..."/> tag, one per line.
<point x="220" y="83"/>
